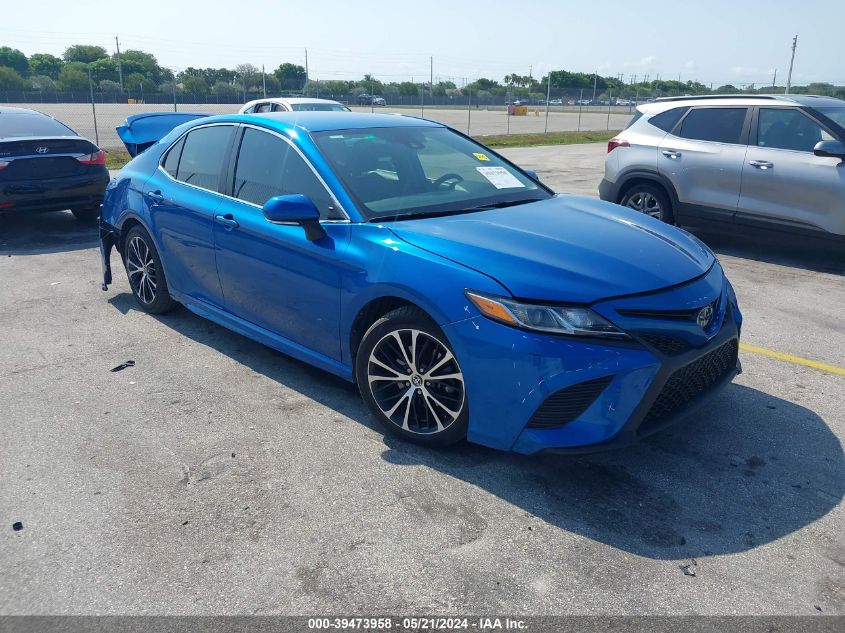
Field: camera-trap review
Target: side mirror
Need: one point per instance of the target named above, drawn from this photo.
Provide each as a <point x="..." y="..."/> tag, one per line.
<point x="830" y="149"/>
<point x="532" y="174"/>
<point x="295" y="209"/>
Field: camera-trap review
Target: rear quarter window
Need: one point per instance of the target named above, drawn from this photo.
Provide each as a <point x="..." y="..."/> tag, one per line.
<point x="667" y="120"/>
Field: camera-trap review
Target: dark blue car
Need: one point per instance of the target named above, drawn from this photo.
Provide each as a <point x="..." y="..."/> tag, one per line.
<point x="464" y="297"/>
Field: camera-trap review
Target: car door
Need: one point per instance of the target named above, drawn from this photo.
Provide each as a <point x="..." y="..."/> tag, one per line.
<point x="271" y="274"/>
<point x="783" y="182"/>
<point x="703" y="156"/>
<point x="183" y="195"/>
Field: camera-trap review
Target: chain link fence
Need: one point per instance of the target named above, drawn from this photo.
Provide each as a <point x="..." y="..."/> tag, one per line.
<point x="96" y="114"/>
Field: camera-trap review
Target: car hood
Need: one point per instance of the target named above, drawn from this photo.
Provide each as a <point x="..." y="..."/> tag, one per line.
<point x="566" y="248"/>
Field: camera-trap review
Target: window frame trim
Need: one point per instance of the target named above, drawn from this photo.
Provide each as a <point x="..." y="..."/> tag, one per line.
<point x="229" y="162"/>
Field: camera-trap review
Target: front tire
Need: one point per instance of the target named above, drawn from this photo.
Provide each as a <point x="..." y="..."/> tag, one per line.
<point x="145" y="273"/>
<point x="650" y="200"/>
<point x="410" y="379"/>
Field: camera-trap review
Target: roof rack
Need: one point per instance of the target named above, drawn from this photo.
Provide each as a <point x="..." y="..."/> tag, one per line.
<point x="704" y="97"/>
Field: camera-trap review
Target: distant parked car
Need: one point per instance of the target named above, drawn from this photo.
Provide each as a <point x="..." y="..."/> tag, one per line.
<point x="365" y="99"/>
<point x="624" y="102"/>
<point x="292" y="104"/>
<point x="46" y="166"/>
<point x="584" y="102"/>
<point x="556" y="102"/>
<point x="770" y="161"/>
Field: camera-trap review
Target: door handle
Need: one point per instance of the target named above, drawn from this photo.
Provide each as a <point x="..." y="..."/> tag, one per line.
<point x="228" y="221"/>
<point x="761" y="164"/>
<point x="155" y="196"/>
<point x="670" y="153"/>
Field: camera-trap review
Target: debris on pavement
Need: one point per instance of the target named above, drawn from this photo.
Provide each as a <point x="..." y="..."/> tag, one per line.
<point x="17" y="526"/>
<point x="689" y="569"/>
<point x="122" y="366"/>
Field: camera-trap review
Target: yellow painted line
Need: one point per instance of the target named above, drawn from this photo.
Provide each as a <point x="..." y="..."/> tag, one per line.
<point x="789" y="358"/>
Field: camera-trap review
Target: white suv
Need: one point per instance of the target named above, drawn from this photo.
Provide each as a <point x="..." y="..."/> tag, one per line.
<point x="772" y="161"/>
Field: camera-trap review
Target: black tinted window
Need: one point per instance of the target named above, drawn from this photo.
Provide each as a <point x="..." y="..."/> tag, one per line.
<point x="721" y="125"/>
<point x="202" y="156"/>
<point x="788" y="128"/>
<point x="268" y="166"/>
<point x="16" y="125"/>
<point x="634" y="119"/>
<point x="667" y="120"/>
<point x="171" y="161"/>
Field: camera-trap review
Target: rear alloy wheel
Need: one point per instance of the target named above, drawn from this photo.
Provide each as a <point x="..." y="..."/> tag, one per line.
<point x="146" y="276"/>
<point x="649" y="200"/>
<point x="410" y="379"/>
<point x="86" y="214"/>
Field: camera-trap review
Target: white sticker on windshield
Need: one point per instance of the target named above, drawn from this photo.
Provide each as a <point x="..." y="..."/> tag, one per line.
<point x="500" y="177"/>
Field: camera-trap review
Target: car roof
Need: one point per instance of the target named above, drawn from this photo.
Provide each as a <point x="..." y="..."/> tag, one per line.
<point x="11" y="110"/>
<point x="324" y="121"/>
<point x="666" y="103"/>
<point x="290" y="100"/>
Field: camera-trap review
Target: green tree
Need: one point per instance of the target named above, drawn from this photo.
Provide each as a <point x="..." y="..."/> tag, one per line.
<point x="195" y="85"/>
<point x="73" y="78"/>
<point x="225" y="91"/>
<point x="137" y="82"/>
<point x="42" y="83"/>
<point x="10" y="79"/>
<point x="105" y="68"/>
<point x="14" y="59"/>
<point x="249" y="77"/>
<point x="290" y="76"/>
<point x="85" y="53"/>
<point x="45" y="64"/>
<point x="134" y="61"/>
<point x="107" y="85"/>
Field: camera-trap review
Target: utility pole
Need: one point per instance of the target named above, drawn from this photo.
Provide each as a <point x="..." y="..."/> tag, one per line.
<point x="119" y="65"/>
<point x="775" y="78"/>
<point x="264" y="81"/>
<point x="548" y="96"/>
<point x="791" y="62"/>
<point x="306" y="71"/>
<point x="595" y="83"/>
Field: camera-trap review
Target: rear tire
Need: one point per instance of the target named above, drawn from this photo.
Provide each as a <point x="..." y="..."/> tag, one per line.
<point x="410" y="379"/>
<point x="145" y="273"/>
<point x="650" y="200"/>
<point x="86" y="214"/>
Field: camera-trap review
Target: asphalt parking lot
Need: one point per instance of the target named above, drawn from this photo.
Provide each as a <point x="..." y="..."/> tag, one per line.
<point x="218" y="476"/>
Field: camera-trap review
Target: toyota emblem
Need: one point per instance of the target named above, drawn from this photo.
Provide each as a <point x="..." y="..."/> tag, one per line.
<point x="705" y="315"/>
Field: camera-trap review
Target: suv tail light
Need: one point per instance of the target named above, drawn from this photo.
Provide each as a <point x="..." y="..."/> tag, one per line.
<point x="97" y="158"/>
<point x="613" y="143"/>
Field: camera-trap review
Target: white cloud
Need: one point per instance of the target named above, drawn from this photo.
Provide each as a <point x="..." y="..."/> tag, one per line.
<point x="644" y="62"/>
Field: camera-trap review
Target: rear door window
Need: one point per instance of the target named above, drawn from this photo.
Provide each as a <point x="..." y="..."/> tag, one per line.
<point x="171" y="161"/>
<point x="718" y="125"/>
<point x="788" y="128"/>
<point x="268" y="166"/>
<point x="202" y="156"/>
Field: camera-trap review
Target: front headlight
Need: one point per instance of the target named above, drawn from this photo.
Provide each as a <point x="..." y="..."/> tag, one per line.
<point x="545" y="318"/>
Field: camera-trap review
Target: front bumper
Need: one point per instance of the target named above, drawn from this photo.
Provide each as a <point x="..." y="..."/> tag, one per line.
<point x="510" y="373"/>
<point x="53" y="194"/>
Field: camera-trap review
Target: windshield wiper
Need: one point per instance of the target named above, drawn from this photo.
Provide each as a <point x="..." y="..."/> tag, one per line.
<point x="433" y="214"/>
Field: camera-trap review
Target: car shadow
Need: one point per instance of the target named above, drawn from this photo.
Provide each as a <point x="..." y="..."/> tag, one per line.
<point x="39" y="233"/>
<point x="775" y="248"/>
<point x="750" y="469"/>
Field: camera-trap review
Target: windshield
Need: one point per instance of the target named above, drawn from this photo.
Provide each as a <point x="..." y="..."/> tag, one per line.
<point x="20" y="125"/>
<point x="405" y="172"/>
<point x="319" y="107"/>
<point x="834" y="113"/>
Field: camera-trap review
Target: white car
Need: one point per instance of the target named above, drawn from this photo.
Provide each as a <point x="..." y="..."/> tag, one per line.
<point x="292" y="104"/>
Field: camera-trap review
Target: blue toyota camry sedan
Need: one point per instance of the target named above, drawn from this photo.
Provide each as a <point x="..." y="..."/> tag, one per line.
<point x="462" y="296"/>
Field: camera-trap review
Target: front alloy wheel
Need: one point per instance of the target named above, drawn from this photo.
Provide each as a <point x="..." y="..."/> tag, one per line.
<point x="411" y="380"/>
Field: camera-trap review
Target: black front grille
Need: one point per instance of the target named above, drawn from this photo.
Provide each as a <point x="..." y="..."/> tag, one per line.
<point x="567" y="404"/>
<point x="669" y="345"/>
<point x="690" y="382"/>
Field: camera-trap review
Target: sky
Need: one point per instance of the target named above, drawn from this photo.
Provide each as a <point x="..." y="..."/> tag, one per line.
<point x="717" y="41"/>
